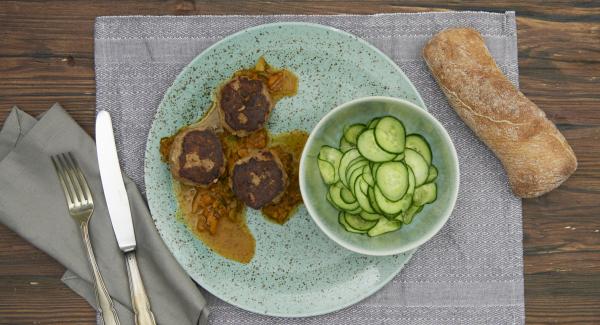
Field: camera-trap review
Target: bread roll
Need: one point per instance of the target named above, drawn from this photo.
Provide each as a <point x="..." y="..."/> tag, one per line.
<point x="535" y="155"/>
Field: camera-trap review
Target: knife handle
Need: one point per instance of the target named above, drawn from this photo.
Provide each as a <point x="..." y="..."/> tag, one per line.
<point x="139" y="298"/>
<point x="106" y="309"/>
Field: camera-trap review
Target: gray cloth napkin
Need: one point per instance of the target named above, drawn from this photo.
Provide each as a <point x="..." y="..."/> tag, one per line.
<point x="33" y="205"/>
<point x="471" y="272"/>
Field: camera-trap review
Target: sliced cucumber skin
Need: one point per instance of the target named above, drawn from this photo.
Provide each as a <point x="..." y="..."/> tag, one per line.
<point x="336" y="197"/>
<point x="433" y="174"/>
<point x="384" y="226"/>
<point x="358" y="223"/>
<point x="327" y="171"/>
<point x="425" y="194"/>
<point x="390" y="134"/>
<point x="356" y="165"/>
<point x="345" y="145"/>
<point x="331" y="155"/>
<point x="388" y="207"/>
<point x="370" y="216"/>
<point x="347" y="158"/>
<point x="392" y="180"/>
<point x="369" y="149"/>
<point x="399" y="157"/>
<point x="373" y="123"/>
<point x="347" y="196"/>
<point x="368" y="175"/>
<point x="418" y="165"/>
<point x="371" y="195"/>
<point x="362" y="198"/>
<point x="351" y="133"/>
<point x="419" y="144"/>
<point x="352" y="179"/>
<point x="342" y="221"/>
<point x="407" y="217"/>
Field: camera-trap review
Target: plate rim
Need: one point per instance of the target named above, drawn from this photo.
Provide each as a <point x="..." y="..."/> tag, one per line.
<point x="205" y="285"/>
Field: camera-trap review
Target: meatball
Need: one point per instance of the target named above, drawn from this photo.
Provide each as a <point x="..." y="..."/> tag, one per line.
<point x="196" y="157"/>
<point x="259" y="179"/>
<point x="244" y="105"/>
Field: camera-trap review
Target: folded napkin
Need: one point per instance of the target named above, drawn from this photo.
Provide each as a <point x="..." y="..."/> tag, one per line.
<point x="33" y="205"/>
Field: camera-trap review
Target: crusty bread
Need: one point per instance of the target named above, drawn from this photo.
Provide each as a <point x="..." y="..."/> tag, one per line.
<point x="535" y="155"/>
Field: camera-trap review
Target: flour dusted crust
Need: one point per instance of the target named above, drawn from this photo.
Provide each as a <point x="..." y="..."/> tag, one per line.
<point x="535" y="155"/>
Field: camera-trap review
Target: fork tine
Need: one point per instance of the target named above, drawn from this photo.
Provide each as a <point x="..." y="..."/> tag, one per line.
<point x="83" y="182"/>
<point x="68" y="179"/>
<point x="69" y="168"/>
<point x="61" y="177"/>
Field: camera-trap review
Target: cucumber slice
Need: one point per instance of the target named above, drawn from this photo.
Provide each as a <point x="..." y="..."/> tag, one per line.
<point x="371" y="195"/>
<point x="347" y="158"/>
<point x="355" y="176"/>
<point x="425" y="194"/>
<point x="347" y="195"/>
<point x="389" y="207"/>
<point x="392" y="179"/>
<point x="399" y="157"/>
<point x="370" y="216"/>
<point x="418" y="143"/>
<point x="335" y="192"/>
<point x="418" y="165"/>
<point x="332" y="156"/>
<point x="369" y="149"/>
<point x="384" y="226"/>
<point x="433" y="173"/>
<point x="361" y="197"/>
<point x="358" y="223"/>
<point x="368" y="176"/>
<point x="407" y="217"/>
<point x="356" y="165"/>
<point x="351" y="133"/>
<point x="342" y="221"/>
<point x="373" y="123"/>
<point x="355" y="211"/>
<point x="327" y="171"/>
<point x="407" y="200"/>
<point x="390" y="134"/>
<point x="374" y="171"/>
<point x="345" y="145"/>
<point x="363" y="186"/>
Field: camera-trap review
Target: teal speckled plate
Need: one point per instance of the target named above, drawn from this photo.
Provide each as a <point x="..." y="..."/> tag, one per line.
<point x="297" y="271"/>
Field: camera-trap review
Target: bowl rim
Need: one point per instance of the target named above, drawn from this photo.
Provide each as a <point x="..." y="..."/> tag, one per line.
<point x="358" y="249"/>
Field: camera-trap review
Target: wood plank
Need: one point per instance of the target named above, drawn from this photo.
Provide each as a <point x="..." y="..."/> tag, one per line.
<point x="47" y="56"/>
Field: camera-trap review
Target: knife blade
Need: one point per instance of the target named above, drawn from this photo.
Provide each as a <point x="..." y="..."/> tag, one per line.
<point x="112" y="183"/>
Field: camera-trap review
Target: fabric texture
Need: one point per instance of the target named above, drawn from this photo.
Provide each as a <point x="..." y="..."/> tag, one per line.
<point x="471" y="272"/>
<point x="33" y="205"/>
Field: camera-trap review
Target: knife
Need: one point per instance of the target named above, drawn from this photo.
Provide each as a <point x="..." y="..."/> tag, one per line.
<point x="120" y="214"/>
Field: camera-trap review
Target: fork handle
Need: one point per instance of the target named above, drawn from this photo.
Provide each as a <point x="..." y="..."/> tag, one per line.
<point x="107" y="311"/>
<point x="139" y="298"/>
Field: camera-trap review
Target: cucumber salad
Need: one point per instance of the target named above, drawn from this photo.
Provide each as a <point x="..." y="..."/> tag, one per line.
<point x="379" y="178"/>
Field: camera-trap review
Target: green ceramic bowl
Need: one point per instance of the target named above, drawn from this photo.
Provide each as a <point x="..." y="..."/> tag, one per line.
<point x="416" y="120"/>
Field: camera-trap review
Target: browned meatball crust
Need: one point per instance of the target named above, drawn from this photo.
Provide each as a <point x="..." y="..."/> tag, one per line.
<point x="196" y="157"/>
<point x="244" y="105"/>
<point x="259" y="179"/>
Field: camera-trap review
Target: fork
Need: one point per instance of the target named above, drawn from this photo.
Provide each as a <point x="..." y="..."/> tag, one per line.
<point x="81" y="207"/>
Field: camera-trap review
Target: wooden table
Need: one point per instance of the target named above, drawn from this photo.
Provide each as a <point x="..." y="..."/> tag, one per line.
<point x="46" y="55"/>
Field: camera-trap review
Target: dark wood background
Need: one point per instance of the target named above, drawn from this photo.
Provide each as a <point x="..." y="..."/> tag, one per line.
<point x="46" y="55"/>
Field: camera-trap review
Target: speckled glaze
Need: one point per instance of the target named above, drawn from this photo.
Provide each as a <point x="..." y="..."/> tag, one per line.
<point x="416" y="120"/>
<point x="297" y="271"/>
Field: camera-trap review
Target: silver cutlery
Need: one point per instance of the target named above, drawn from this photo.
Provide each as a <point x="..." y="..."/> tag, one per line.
<point x="120" y="214"/>
<point x="80" y="204"/>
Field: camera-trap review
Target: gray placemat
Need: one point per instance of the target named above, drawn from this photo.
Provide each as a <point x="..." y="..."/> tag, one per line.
<point x="471" y="272"/>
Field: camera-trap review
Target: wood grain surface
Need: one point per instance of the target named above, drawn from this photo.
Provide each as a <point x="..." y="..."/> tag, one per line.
<point x="46" y="56"/>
